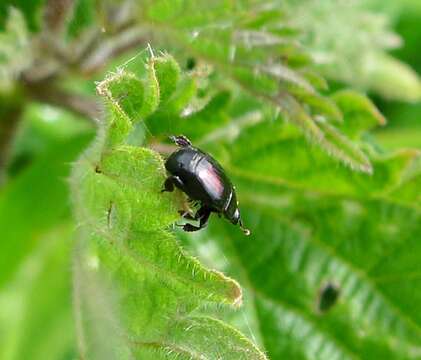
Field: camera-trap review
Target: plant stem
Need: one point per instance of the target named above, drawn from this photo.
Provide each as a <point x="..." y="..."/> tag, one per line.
<point x="49" y="93"/>
<point x="9" y="119"/>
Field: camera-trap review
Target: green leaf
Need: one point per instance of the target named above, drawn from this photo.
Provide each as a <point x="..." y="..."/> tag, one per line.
<point x="321" y="107"/>
<point x="328" y="137"/>
<point x="212" y="116"/>
<point x="128" y="265"/>
<point x="36" y="310"/>
<point x="129" y="99"/>
<point x="359" y="112"/>
<point x="382" y="78"/>
<point x="83" y="17"/>
<point x="40" y="196"/>
<point x="314" y="224"/>
<point x="185" y="90"/>
<point x="355" y="53"/>
<point x="167" y="72"/>
<point x="332" y="241"/>
<point x="308" y="169"/>
<point x="344" y="149"/>
<point x="268" y="63"/>
<point x="30" y="9"/>
<point x="195" y="338"/>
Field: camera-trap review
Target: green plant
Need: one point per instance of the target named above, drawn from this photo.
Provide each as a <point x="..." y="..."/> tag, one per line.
<point x="135" y="261"/>
<point x="325" y="203"/>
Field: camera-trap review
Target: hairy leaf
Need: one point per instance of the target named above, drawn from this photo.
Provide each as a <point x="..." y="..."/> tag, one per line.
<point x="135" y="287"/>
<point x="301" y="252"/>
<point x="315" y="225"/>
<point x="303" y="239"/>
<point x="355" y="52"/>
<point x="268" y="63"/>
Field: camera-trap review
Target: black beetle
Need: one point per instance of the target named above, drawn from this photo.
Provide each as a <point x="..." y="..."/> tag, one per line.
<point x="203" y="179"/>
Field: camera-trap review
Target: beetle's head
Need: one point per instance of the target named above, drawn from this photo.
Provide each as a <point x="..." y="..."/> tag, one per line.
<point x="235" y="218"/>
<point x="232" y="213"/>
<point x="181" y="140"/>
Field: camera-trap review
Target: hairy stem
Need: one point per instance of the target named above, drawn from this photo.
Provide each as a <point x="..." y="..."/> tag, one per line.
<point x="56" y="12"/>
<point x="49" y="93"/>
<point x="111" y="48"/>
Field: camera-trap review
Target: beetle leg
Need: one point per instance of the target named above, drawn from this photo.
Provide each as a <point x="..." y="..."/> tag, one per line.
<point x="203" y="215"/>
<point x="188" y="216"/>
<point x="170" y="182"/>
<point x="168" y="185"/>
<point x="205" y="218"/>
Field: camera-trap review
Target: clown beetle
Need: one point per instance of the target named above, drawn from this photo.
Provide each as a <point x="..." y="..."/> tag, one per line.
<point x="202" y="179"/>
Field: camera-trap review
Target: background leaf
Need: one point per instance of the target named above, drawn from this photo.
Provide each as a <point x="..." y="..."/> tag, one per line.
<point x="26" y="198"/>
<point x="40" y="298"/>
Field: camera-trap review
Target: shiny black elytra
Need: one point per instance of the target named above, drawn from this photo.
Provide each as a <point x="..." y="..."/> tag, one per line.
<point x="202" y="179"/>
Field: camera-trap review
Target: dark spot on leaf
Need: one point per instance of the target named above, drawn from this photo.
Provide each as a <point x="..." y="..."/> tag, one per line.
<point x="110" y="209"/>
<point x="19" y="163"/>
<point x="190" y="63"/>
<point x="328" y="296"/>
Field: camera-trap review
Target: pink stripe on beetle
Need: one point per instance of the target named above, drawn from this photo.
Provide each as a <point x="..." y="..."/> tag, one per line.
<point x="210" y="178"/>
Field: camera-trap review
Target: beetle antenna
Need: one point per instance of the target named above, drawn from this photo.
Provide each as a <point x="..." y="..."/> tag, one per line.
<point x="246" y="232"/>
<point x="180" y="140"/>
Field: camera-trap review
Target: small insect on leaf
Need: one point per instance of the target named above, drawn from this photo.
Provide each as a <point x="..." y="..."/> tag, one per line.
<point x="203" y="180"/>
<point x="327" y="297"/>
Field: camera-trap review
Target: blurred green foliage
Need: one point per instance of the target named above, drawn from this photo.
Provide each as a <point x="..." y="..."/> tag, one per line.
<point x="329" y="181"/>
